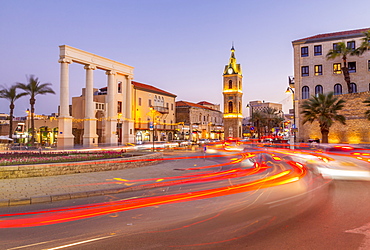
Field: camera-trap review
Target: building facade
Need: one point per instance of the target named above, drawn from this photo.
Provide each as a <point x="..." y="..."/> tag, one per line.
<point x="154" y="113"/>
<point x="199" y="121"/>
<point x="233" y="93"/>
<point x="314" y="74"/>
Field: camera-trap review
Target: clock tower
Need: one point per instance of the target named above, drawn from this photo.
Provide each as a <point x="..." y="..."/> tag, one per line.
<point x="232" y="91"/>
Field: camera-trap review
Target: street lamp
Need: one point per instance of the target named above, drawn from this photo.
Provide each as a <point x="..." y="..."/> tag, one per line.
<point x="290" y="90"/>
<point x="119" y="128"/>
<point x="152" y="126"/>
<point x="251" y="114"/>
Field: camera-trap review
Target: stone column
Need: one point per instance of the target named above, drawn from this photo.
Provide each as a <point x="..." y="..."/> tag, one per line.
<point x="65" y="136"/>
<point x="90" y="138"/>
<point x="111" y="125"/>
<point x="128" y="125"/>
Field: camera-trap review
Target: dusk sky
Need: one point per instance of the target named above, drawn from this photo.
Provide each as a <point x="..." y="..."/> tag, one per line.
<point x="180" y="46"/>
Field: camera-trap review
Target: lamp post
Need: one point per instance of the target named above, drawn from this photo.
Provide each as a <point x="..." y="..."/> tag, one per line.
<point x="251" y="115"/>
<point x="119" y="129"/>
<point x="153" y="126"/>
<point x="28" y="125"/>
<point x="291" y="90"/>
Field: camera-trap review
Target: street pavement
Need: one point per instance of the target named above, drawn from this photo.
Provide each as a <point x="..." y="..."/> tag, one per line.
<point x="23" y="191"/>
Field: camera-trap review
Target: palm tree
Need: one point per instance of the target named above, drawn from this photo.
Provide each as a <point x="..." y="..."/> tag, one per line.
<point x="11" y="95"/>
<point x="256" y="119"/>
<point x="367" y="112"/>
<point x="365" y="45"/>
<point x="32" y="88"/>
<point x="323" y="108"/>
<point x="272" y="118"/>
<point x="341" y="50"/>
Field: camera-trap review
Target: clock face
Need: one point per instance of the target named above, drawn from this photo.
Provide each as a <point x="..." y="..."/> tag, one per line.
<point x="230" y="71"/>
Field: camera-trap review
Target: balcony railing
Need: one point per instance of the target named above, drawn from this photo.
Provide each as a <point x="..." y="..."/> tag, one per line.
<point x="160" y="109"/>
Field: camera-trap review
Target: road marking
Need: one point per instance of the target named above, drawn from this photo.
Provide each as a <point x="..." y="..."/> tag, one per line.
<point x="30" y="245"/>
<point x="365" y="229"/>
<point x="79" y="243"/>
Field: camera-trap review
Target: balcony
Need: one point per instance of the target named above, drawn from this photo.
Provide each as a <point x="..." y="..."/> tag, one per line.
<point x="160" y="109"/>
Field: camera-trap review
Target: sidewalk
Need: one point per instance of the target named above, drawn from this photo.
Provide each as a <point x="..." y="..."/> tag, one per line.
<point x="33" y="190"/>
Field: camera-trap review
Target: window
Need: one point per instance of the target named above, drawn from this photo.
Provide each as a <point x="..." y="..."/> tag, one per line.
<point x="240" y="107"/>
<point x="230" y="107"/>
<point x="318" y="90"/>
<point x="368" y="65"/>
<point x="304" y="51"/>
<point x="240" y="85"/>
<point x="305" y="92"/>
<point x="335" y="46"/>
<point x="139" y="101"/>
<point x="337" y="89"/>
<point x="164" y="124"/>
<point x="119" y="87"/>
<point x="337" y="68"/>
<point x="230" y="84"/>
<point x="305" y="71"/>
<point x="352" y="67"/>
<point x="317" y="50"/>
<point x="351" y="45"/>
<point x="167" y="105"/>
<point x="318" y="70"/>
<point x="119" y="107"/>
<point x="150" y="102"/>
<point x="353" y="87"/>
<point x="171" y="106"/>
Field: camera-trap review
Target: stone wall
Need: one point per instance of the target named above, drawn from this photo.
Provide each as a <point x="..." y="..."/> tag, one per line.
<point x="356" y="130"/>
<point x="40" y="170"/>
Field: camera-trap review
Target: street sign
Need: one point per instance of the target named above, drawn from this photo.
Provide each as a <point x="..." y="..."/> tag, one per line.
<point x="151" y="126"/>
<point x="251" y="128"/>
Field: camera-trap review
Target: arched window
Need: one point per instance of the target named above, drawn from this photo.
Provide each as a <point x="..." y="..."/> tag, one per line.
<point x="337" y="89"/>
<point x="239" y="107"/>
<point x="353" y="86"/>
<point x="162" y="101"/>
<point x="230" y="84"/>
<point x="305" y="92"/>
<point x="318" y="90"/>
<point x="231" y="107"/>
<point x="240" y="85"/>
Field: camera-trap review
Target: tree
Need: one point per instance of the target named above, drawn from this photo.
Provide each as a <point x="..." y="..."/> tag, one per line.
<point x="367" y="112"/>
<point x="272" y="118"/>
<point x="365" y="45"/>
<point x="11" y="95"/>
<point x="33" y="88"/>
<point x="256" y="119"/>
<point x="341" y="50"/>
<point x="268" y="117"/>
<point x="324" y="109"/>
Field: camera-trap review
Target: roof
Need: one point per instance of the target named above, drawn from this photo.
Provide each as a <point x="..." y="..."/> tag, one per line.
<point x="333" y="36"/>
<point x="190" y="104"/>
<point x="150" y="88"/>
<point x="205" y="103"/>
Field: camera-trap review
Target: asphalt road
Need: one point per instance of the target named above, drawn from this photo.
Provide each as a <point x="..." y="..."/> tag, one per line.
<point x="330" y="216"/>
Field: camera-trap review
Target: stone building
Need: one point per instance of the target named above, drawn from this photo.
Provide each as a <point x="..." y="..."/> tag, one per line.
<point x="197" y="121"/>
<point x="154" y="113"/>
<point x="314" y="74"/>
<point x="148" y="104"/>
